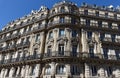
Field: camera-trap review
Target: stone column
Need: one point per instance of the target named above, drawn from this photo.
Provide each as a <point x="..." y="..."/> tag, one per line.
<point x="68" y="73"/>
<point x="42" y="45"/>
<point x="2" y="73"/>
<point x="37" y="70"/>
<point x="87" y="70"/>
<point x="27" y="70"/>
<point x="23" y="71"/>
<point x="84" y="42"/>
<point x="18" y="70"/>
<point x="55" y="40"/>
<point x="53" y="69"/>
<point x="11" y="72"/>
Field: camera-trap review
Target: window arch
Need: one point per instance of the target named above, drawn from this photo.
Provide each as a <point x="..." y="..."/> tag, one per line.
<point x="60" y="69"/>
<point x="48" y="70"/>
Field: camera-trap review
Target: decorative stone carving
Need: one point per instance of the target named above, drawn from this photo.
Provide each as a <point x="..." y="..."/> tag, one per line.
<point x="50" y="41"/>
<point x="91" y="42"/>
<point x="74" y="40"/>
<point x="62" y="40"/>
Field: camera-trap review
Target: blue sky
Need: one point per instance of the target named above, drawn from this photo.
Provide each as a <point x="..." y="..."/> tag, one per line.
<point x="13" y="9"/>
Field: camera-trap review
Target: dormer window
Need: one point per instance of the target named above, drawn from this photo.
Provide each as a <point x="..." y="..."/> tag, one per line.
<point x="53" y="11"/>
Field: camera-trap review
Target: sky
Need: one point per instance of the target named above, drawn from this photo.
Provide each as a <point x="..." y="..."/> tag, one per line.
<point x="14" y="9"/>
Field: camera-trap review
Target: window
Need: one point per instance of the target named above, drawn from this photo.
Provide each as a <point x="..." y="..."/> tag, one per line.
<point x="74" y="50"/>
<point x="48" y="70"/>
<point x="61" y="69"/>
<point x="86" y="12"/>
<point x="97" y="14"/>
<point x="106" y="15"/>
<point x="37" y="38"/>
<point x="62" y="19"/>
<point x="53" y="11"/>
<point x="94" y="70"/>
<point x="18" y="56"/>
<point x="3" y="58"/>
<point x="105" y="53"/>
<point x="75" y="70"/>
<point x="89" y="35"/>
<point x="110" y="25"/>
<point x="109" y="71"/>
<point x="113" y="37"/>
<point x="74" y="33"/>
<point x="117" y="53"/>
<point x="51" y="35"/>
<point x="91" y="51"/>
<point x="32" y="70"/>
<point x="102" y="36"/>
<point x="73" y="20"/>
<point x="62" y="9"/>
<point x="49" y="50"/>
<point x="87" y="22"/>
<point x="61" y="49"/>
<point x="35" y="53"/>
<point x="61" y="32"/>
<point x="99" y="23"/>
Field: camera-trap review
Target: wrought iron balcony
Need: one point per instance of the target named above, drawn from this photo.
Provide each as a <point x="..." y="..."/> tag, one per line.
<point x="21" y="59"/>
<point x="41" y="18"/>
<point x="65" y="13"/>
<point x="66" y="22"/>
<point x="101" y="16"/>
<point x="68" y="54"/>
<point x="38" y="28"/>
<point x="24" y="44"/>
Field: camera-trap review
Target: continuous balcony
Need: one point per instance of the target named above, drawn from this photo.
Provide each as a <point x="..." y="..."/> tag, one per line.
<point x="99" y="16"/>
<point x="102" y="28"/>
<point x="24" y="44"/>
<point x="80" y="56"/>
<point x="63" y="13"/>
<point x="30" y="58"/>
<point x="62" y="24"/>
<point x="39" y="28"/>
<point x="24" y="24"/>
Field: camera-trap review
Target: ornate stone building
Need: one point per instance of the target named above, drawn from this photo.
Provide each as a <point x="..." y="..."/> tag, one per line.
<point x="66" y="41"/>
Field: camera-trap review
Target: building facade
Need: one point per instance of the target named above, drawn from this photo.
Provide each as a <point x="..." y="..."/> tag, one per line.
<point x="65" y="41"/>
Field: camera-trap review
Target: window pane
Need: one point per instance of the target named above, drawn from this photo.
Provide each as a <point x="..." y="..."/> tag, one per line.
<point x="61" y="32"/>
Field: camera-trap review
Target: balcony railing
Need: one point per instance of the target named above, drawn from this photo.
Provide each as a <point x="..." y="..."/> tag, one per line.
<point x="20" y="59"/>
<point x="80" y="55"/>
<point x="63" y="12"/>
<point x="24" y="44"/>
<point x="65" y="22"/>
<point x="41" y="27"/>
<point x="99" y="15"/>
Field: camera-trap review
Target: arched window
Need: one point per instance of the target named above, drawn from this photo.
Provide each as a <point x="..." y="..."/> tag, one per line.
<point x="60" y="69"/>
<point x="48" y="70"/>
<point x="62" y="9"/>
